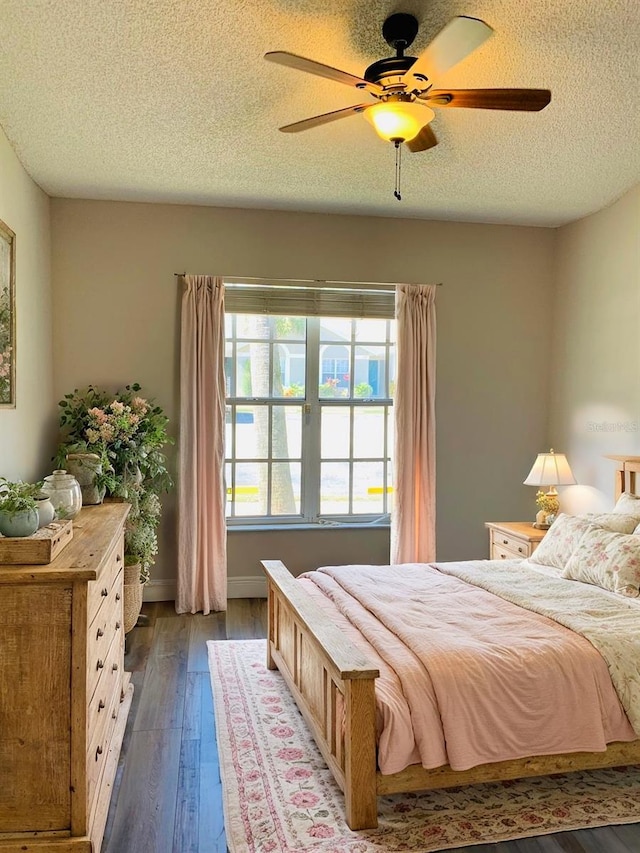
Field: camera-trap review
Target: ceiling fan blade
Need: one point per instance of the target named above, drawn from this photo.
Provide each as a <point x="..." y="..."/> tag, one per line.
<point x="423" y="141"/>
<point x="458" y="39"/>
<point x="325" y="118"/>
<point x="300" y="63"/>
<point x="529" y="100"/>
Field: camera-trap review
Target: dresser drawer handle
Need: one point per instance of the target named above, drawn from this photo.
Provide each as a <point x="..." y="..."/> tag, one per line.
<point x="118" y="596"/>
<point x="104" y="593"/>
<point x="118" y="558"/>
<point x="100" y="705"/>
<point x="99" y="633"/>
<point x="521" y="550"/>
<point x="98" y="752"/>
<point x="115" y="667"/>
<point x="99" y="665"/>
<point x="114" y="715"/>
<point x="505" y="541"/>
<point x="117" y="626"/>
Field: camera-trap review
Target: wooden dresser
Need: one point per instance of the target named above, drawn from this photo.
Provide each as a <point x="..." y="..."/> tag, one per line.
<point x="64" y="695"/>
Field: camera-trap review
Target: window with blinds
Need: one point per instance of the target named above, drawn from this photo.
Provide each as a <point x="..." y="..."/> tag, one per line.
<point x="309" y="402"/>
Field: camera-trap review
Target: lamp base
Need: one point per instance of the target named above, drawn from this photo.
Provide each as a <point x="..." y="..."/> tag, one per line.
<point x="540" y="526"/>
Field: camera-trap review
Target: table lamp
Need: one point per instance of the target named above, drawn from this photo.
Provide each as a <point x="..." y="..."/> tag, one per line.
<point x="549" y="470"/>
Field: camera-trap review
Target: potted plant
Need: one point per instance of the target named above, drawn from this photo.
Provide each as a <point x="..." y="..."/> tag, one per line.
<point x="128" y="433"/>
<point x="18" y="508"/>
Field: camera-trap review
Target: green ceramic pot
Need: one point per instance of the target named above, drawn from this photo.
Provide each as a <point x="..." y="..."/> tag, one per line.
<point x="20" y="523"/>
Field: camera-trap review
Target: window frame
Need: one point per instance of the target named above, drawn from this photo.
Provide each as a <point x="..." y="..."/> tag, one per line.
<point x="311" y="459"/>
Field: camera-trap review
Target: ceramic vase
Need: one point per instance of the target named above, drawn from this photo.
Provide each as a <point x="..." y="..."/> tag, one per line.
<point x="20" y="524"/>
<point x="84" y="467"/>
<point x="64" y="491"/>
<point x="46" y="510"/>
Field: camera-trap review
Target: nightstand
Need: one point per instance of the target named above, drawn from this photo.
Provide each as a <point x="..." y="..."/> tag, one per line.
<point x="512" y="540"/>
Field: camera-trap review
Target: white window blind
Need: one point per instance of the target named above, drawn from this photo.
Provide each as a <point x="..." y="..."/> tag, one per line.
<point x="309" y="299"/>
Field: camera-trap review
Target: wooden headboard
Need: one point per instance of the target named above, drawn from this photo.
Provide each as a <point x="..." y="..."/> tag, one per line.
<point x="627" y="469"/>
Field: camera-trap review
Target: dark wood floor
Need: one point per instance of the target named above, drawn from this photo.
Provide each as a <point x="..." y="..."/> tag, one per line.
<point x="167" y="793"/>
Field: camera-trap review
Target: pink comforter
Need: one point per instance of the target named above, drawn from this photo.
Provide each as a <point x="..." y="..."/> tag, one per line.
<point x="466" y="677"/>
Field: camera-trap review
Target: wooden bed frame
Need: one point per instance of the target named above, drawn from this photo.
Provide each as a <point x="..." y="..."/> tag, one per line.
<point x="333" y="684"/>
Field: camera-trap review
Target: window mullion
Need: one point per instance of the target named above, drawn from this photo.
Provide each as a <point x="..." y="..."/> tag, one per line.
<point x="311" y="430"/>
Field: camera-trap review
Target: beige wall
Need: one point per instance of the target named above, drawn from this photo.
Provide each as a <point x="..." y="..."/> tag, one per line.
<point x="595" y="392"/>
<point x="26" y="432"/>
<point x="116" y="321"/>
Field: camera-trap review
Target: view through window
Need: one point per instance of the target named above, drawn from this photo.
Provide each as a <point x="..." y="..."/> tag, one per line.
<point x="309" y="418"/>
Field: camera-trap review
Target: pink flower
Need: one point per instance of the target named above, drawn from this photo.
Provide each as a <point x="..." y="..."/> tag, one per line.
<point x="117" y="407"/>
<point x="294" y="774"/>
<point x="290" y="753"/>
<point x="268" y="846"/>
<point x="321" y="830"/>
<point x="139" y="405"/>
<point x="305" y="799"/>
<point x="282" y="731"/>
<point x="270" y="700"/>
<point x="253" y="776"/>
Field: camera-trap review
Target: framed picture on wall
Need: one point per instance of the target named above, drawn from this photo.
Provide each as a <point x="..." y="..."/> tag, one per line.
<point x="7" y="317"/>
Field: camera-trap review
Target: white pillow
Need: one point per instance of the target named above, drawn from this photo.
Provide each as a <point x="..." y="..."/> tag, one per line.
<point x="561" y="540"/>
<point x="608" y="560"/>
<point x="617" y="522"/>
<point x="628" y="504"/>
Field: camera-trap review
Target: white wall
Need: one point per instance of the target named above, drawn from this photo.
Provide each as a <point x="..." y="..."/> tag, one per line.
<point x="116" y="320"/>
<point x="595" y="389"/>
<point x="27" y="432"/>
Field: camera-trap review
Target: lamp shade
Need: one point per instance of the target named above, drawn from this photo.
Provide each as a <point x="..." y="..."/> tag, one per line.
<point x="550" y="469"/>
<point x="398" y="121"/>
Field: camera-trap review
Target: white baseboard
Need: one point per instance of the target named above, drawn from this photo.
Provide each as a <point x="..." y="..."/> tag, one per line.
<point x="243" y="587"/>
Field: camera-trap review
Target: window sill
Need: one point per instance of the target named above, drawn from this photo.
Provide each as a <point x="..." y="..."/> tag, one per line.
<point x="273" y="528"/>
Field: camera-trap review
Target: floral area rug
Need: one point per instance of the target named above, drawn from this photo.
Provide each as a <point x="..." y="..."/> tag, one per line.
<point x="280" y="797"/>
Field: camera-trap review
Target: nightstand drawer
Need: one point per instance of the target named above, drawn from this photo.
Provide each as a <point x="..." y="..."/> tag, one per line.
<point x="504" y="542"/>
<point x="500" y="553"/>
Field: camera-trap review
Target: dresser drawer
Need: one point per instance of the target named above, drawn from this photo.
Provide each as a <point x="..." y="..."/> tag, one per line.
<point x="100" y="589"/>
<point x="98" y="750"/>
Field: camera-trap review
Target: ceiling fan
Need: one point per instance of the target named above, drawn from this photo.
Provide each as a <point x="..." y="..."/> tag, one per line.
<point x="402" y="86"/>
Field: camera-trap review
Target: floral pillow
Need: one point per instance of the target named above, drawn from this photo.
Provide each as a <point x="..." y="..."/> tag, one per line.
<point x="628" y="504"/>
<point x="561" y="541"/>
<point x="606" y="559"/>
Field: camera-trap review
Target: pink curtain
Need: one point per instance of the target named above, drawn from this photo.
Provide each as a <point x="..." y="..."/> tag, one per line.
<point x="202" y="535"/>
<point x="413" y="521"/>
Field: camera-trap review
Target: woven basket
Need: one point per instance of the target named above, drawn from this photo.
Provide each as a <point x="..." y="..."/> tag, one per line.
<point x="132" y="596"/>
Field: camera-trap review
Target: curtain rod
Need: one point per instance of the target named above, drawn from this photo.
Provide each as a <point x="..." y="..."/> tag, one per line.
<point x="248" y="279"/>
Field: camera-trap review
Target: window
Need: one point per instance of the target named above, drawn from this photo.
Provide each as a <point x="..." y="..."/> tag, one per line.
<point x="309" y="417"/>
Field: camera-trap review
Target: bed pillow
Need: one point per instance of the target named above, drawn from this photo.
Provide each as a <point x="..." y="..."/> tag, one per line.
<point x="561" y="541"/>
<point x="617" y="522"/>
<point x="608" y="560"/>
<point x="628" y="504"/>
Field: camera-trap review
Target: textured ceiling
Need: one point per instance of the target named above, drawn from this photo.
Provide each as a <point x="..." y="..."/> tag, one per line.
<point x="171" y="100"/>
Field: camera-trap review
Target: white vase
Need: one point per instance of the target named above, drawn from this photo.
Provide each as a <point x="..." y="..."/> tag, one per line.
<point x="46" y="510"/>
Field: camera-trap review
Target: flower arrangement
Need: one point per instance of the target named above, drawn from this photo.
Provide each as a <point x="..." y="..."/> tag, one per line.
<point x="128" y="433"/>
<point x="549" y="504"/>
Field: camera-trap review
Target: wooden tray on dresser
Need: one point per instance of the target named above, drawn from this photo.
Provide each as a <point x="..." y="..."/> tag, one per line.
<point x="40" y="548"/>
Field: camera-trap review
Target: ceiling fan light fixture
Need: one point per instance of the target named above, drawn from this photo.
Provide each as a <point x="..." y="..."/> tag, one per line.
<point x="398" y="121"/>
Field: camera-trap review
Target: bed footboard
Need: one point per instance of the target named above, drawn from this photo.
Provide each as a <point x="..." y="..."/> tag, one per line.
<point x="332" y="683"/>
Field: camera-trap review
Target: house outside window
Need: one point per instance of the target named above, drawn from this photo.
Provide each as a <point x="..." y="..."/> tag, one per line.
<point x="309" y="426"/>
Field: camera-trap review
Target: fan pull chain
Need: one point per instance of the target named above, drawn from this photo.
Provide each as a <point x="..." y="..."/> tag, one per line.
<point x="396" y="192"/>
